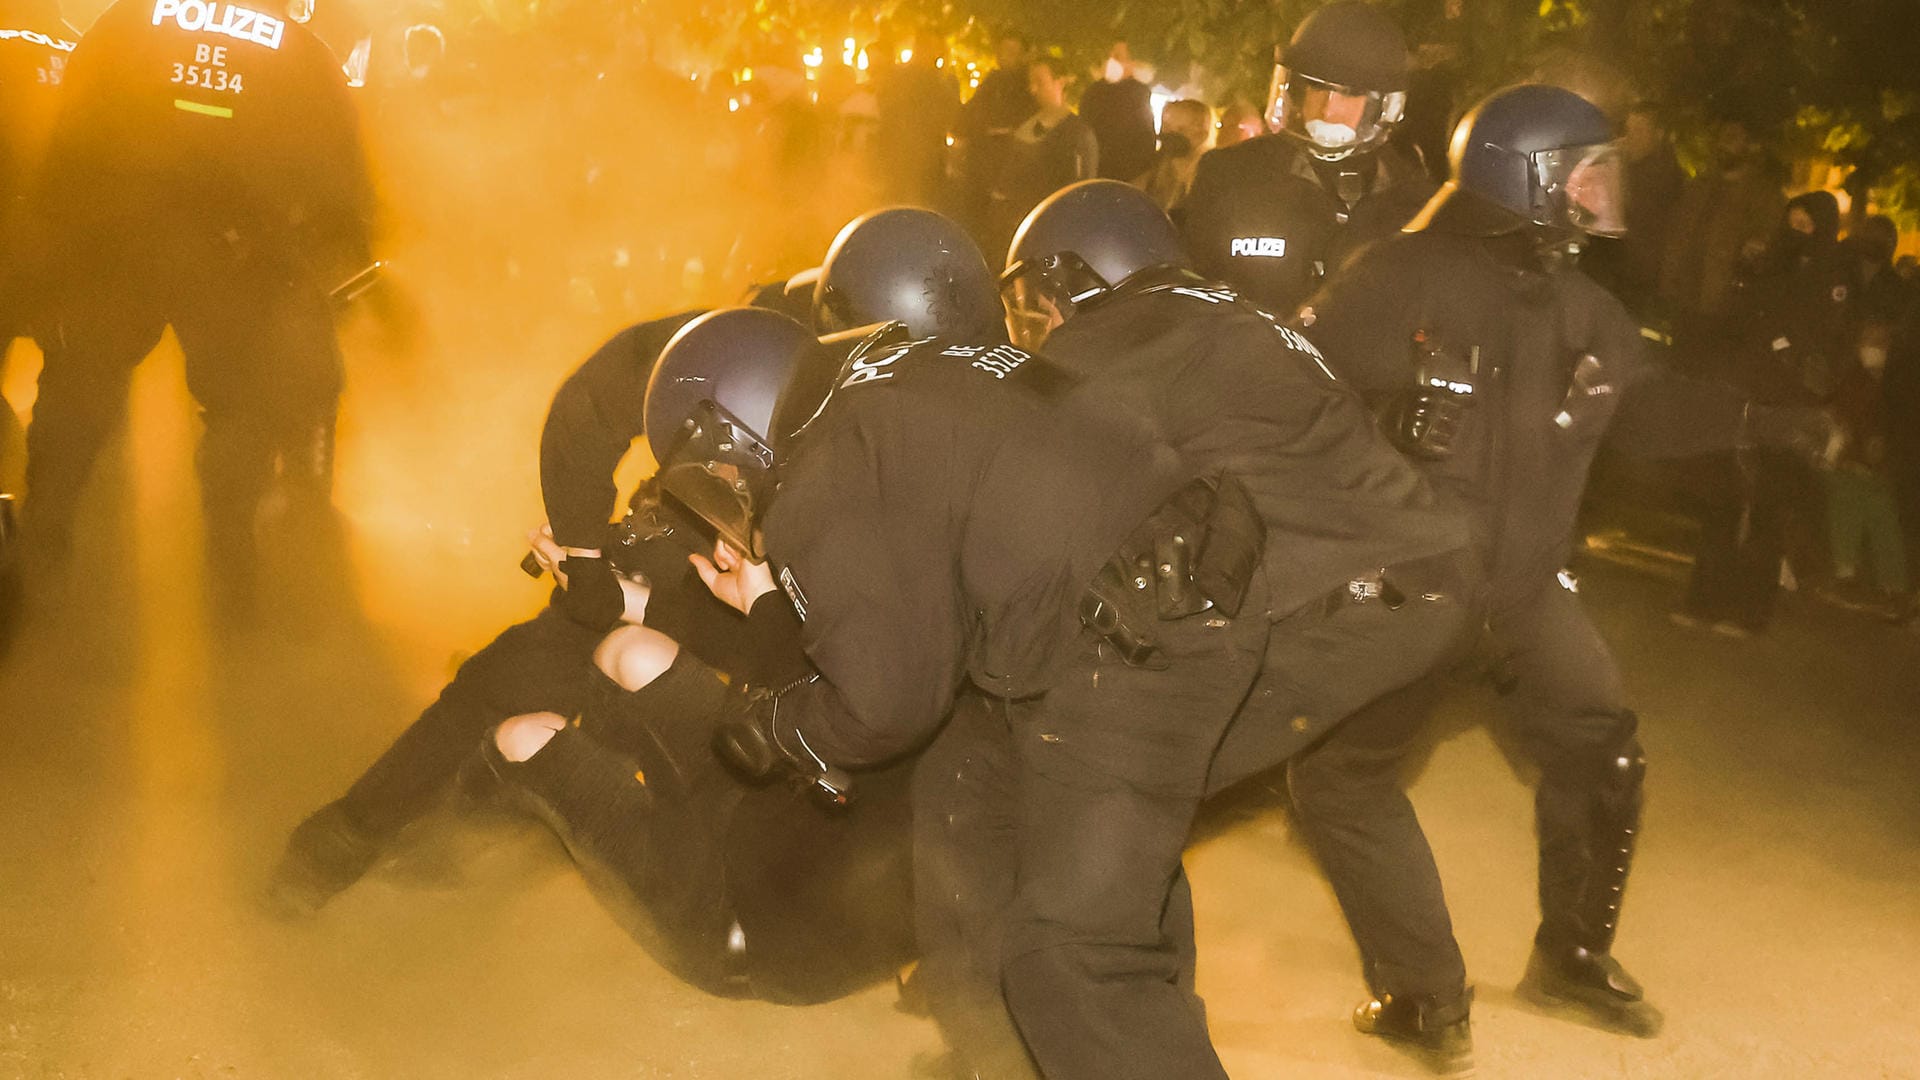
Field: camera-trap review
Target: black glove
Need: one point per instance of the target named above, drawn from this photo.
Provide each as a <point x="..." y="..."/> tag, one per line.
<point x="753" y="741"/>
<point x="592" y="596"/>
<point x="655" y="538"/>
<point x="1423" y="421"/>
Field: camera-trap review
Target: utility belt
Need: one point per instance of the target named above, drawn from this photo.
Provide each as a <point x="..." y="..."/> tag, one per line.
<point x="1197" y="552"/>
<point x="1430" y="579"/>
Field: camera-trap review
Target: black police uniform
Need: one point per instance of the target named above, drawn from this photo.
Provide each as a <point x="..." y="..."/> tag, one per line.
<point x="1119" y="756"/>
<point x="206" y="172"/>
<point x="1557" y="356"/>
<point x="1268" y="218"/>
<point x="34" y="46"/>
<point x="939" y="521"/>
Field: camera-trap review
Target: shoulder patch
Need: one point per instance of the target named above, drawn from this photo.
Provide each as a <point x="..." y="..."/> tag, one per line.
<point x="795" y="594"/>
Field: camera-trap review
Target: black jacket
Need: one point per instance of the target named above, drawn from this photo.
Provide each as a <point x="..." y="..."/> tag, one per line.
<point x="242" y="125"/>
<point x="1234" y="393"/>
<point x="1266" y="218"/>
<point x="939" y="521"/>
<point x="595" y="416"/>
<point x="1520" y="465"/>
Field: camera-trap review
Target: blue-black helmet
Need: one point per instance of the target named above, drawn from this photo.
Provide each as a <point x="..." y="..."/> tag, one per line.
<point x="727" y="390"/>
<point x="909" y="266"/>
<point x="1530" y="155"/>
<point x="1078" y="244"/>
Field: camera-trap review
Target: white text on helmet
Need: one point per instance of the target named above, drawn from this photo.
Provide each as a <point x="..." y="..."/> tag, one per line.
<point x="1264" y="247"/>
<point x="202" y="16"/>
<point x="37" y="38"/>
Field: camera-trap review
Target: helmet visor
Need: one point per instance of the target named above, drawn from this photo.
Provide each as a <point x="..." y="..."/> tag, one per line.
<point x="1041" y="293"/>
<point x="724" y="473"/>
<point x="1333" y="120"/>
<point x="1585" y="188"/>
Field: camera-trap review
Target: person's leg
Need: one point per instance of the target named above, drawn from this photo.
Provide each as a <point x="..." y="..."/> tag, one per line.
<point x="1112" y="762"/>
<point x="1570" y="707"/>
<point x="634" y="815"/>
<point x="1352" y="808"/>
<point x="98" y="336"/>
<point x="1845" y="524"/>
<point x="263" y="363"/>
<point x="539" y="665"/>
<point x="1881" y="526"/>
<point x="965" y="803"/>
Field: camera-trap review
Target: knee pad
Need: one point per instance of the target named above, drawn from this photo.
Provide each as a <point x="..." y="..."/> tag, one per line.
<point x="634" y="656"/>
<point x="518" y="738"/>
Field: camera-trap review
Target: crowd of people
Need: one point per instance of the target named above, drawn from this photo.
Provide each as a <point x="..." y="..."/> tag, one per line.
<point x="1765" y="293"/>
<point x="964" y="579"/>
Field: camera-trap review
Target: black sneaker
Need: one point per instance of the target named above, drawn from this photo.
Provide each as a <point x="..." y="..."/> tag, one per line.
<point x="325" y="854"/>
<point x="1593" y="987"/>
<point x="1437" y="1033"/>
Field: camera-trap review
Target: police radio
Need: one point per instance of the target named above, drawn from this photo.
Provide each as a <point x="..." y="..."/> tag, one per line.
<point x="1427" y="418"/>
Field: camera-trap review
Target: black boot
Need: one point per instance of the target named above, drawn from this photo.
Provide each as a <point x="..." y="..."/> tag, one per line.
<point x="1591" y="984"/>
<point x="1434" y="1029"/>
<point x="326" y="853"/>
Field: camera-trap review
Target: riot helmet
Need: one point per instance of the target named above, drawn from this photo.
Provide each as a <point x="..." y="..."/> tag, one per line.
<point x="1080" y="243"/>
<point x="908" y="266"/>
<point x="1341" y="84"/>
<point x="1531" y="156"/>
<point x="723" y="396"/>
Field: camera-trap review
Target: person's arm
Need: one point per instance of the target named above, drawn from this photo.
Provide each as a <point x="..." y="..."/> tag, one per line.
<point x="594" y="418"/>
<point x="1364" y="318"/>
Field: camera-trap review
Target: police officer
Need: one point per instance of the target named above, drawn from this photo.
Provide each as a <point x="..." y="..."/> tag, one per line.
<point x="1113" y="760"/>
<point x="206" y="173"/>
<point x="938" y="521"/>
<point x="1499" y="365"/>
<point x="1273" y="215"/>
<point x="34" y="45"/>
<point x="1368" y="588"/>
<point x="737" y="889"/>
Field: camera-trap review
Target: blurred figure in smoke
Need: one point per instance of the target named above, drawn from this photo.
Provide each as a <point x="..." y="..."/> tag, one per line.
<point x="919" y="103"/>
<point x="1785" y="337"/>
<point x="1629" y="266"/>
<point x="1239" y="121"/>
<point x="206" y="173"/>
<point x="34" y="45"/>
<point x="1724" y="218"/>
<point x="1051" y="149"/>
<point x="1119" y="109"/>
<point x="1186" y="131"/>
<point x="983" y="139"/>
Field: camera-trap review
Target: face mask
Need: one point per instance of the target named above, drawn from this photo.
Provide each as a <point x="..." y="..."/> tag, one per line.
<point x="1114" y="72"/>
<point x="1873" y="358"/>
<point x="1331" y="135"/>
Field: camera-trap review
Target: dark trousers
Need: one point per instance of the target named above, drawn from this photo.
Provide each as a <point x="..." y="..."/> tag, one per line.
<point x="736" y="889"/>
<point x="643" y="807"/>
<point x="542" y="665"/>
<point x="262" y="362"/>
<point x="1773" y="503"/>
<point x="1567" y="706"/>
<point x="1112" y="765"/>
